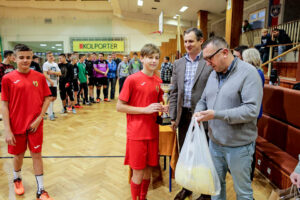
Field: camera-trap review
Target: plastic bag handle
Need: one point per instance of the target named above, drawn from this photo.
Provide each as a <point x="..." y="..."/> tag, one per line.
<point x="294" y="192"/>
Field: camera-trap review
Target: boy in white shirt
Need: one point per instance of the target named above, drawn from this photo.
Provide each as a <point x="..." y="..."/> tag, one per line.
<point x="51" y="72"/>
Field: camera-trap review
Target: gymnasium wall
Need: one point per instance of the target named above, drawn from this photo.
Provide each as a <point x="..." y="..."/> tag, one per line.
<point x="28" y="24"/>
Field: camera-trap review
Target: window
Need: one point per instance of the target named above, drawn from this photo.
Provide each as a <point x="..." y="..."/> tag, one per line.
<point x="257" y="19"/>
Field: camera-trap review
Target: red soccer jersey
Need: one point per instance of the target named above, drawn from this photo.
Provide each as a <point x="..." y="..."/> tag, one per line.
<point x="140" y="90"/>
<point x="25" y="94"/>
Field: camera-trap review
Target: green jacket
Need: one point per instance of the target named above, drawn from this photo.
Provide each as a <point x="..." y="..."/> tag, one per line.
<point x="297" y="169"/>
<point x="82" y="72"/>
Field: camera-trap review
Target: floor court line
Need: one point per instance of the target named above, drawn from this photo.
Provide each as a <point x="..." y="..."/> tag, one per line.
<point x="8" y="157"/>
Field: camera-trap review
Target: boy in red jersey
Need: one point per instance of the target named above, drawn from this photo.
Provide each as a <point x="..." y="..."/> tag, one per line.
<point x="140" y="99"/>
<point x="25" y="99"/>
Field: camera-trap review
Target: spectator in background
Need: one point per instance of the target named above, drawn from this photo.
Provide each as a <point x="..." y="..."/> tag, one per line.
<point x="100" y="74"/>
<point x="252" y="57"/>
<point x="238" y="51"/>
<point x="65" y="83"/>
<point x="6" y="66"/>
<point x="166" y="70"/>
<point x="211" y="34"/>
<point x="123" y="71"/>
<point x="69" y="57"/>
<point x="112" y="76"/>
<point x="89" y="63"/>
<point x="262" y="48"/>
<point x="116" y="59"/>
<point x="135" y="65"/>
<point x="279" y="36"/>
<point x="246" y="26"/>
<point x="83" y="80"/>
<point x="75" y="81"/>
<point x="51" y="72"/>
<point x="35" y="64"/>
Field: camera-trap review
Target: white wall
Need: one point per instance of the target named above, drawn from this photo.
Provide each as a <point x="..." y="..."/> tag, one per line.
<point x="27" y="24"/>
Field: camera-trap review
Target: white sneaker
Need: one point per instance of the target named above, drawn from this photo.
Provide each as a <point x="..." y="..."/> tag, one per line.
<point x="51" y="117"/>
<point x="74" y="111"/>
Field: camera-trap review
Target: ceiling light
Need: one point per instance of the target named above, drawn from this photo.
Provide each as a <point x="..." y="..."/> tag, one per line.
<point x="59" y="49"/>
<point x="140" y="3"/>
<point x="58" y="45"/>
<point x="175" y="16"/>
<point x="43" y="45"/>
<point x="53" y="47"/>
<point x="183" y="8"/>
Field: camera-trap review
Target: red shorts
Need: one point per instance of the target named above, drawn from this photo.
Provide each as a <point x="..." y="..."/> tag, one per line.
<point x="34" y="141"/>
<point x="141" y="153"/>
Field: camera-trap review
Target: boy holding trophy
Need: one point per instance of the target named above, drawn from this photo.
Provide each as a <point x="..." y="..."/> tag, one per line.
<point x="140" y="99"/>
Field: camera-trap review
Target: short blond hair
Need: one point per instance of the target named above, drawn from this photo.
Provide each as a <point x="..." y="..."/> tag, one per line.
<point x="264" y="30"/>
<point x="252" y="57"/>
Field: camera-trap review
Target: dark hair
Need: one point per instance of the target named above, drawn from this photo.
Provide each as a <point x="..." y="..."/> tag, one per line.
<point x="246" y="21"/>
<point x="198" y="33"/>
<point x="241" y="49"/>
<point x="63" y="55"/>
<point x="8" y="53"/>
<point x="217" y="41"/>
<point x="94" y="53"/>
<point x="69" y="55"/>
<point x="81" y="55"/>
<point x="135" y="53"/>
<point x="149" y="49"/>
<point x="35" y="56"/>
<point x="167" y="57"/>
<point x="276" y="29"/>
<point x="21" y="47"/>
<point x="101" y="54"/>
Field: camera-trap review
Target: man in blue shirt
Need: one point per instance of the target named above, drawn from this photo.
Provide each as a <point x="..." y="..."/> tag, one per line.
<point x="112" y="76"/>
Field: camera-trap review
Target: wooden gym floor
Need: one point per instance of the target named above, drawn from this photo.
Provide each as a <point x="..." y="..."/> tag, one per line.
<point x="83" y="159"/>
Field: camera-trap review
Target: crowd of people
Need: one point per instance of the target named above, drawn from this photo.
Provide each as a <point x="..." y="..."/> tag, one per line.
<point x="221" y="88"/>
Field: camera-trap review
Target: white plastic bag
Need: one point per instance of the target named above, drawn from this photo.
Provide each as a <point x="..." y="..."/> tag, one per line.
<point x="195" y="170"/>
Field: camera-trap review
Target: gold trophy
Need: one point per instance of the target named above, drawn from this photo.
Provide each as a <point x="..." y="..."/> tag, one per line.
<point x="165" y="119"/>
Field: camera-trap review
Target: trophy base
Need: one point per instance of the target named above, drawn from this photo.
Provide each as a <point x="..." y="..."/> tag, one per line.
<point x="163" y="121"/>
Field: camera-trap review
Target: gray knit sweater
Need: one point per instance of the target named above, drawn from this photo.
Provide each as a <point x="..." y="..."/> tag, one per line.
<point x="236" y="104"/>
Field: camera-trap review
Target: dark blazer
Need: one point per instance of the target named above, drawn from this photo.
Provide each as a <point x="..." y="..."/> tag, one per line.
<point x="177" y="91"/>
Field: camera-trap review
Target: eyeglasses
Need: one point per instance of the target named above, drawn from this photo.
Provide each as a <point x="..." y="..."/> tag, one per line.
<point x="208" y="58"/>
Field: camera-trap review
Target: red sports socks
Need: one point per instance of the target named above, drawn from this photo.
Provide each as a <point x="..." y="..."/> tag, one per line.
<point x="144" y="188"/>
<point x="135" y="190"/>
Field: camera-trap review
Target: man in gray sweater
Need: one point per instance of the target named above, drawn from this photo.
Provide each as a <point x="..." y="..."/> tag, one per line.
<point x="230" y="103"/>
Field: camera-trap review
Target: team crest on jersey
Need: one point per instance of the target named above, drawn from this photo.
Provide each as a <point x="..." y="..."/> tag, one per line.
<point x="35" y="83"/>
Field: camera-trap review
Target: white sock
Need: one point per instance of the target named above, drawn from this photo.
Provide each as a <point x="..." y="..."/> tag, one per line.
<point x="17" y="174"/>
<point x="48" y="110"/>
<point x="51" y="108"/>
<point x="40" y="183"/>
